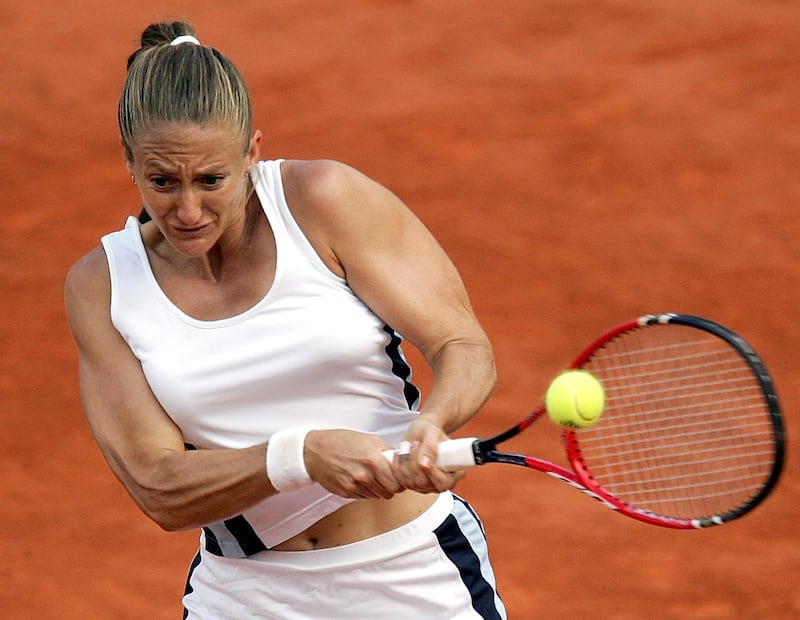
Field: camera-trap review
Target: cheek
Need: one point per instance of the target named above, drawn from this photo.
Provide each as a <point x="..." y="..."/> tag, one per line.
<point x="156" y="204"/>
<point x="233" y="197"/>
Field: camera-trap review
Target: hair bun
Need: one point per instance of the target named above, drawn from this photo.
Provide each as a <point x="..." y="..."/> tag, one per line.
<point x="165" y="32"/>
<point x="162" y="33"/>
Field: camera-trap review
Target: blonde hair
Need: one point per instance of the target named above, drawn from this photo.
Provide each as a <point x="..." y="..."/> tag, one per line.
<point x="186" y="83"/>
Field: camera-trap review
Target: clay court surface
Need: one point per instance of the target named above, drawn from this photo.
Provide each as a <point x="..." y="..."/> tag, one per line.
<point x="583" y="162"/>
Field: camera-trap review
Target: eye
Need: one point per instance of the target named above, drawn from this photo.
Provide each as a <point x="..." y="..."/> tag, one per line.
<point x="212" y="180"/>
<point x="160" y="182"/>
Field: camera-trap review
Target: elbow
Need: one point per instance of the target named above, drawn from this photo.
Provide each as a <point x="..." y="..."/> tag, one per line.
<point x="163" y="503"/>
<point x="158" y="489"/>
<point x="165" y="519"/>
<point x="170" y="516"/>
<point x="156" y="506"/>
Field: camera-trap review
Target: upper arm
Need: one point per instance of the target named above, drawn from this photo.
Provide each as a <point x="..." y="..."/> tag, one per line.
<point x="125" y="418"/>
<point x="389" y="258"/>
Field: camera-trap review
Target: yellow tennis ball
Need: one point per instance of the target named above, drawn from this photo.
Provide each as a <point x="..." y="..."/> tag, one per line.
<point x="575" y="399"/>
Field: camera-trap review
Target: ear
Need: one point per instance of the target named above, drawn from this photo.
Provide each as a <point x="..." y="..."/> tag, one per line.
<point x="254" y="150"/>
<point x="127" y="157"/>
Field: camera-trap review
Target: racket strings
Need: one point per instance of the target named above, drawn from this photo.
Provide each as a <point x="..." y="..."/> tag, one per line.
<point x="686" y="432"/>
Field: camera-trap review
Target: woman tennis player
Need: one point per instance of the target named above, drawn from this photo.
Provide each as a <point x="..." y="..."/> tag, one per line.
<point x="241" y="367"/>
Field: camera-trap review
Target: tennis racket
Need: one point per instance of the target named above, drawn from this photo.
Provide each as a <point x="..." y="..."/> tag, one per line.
<point x="691" y="436"/>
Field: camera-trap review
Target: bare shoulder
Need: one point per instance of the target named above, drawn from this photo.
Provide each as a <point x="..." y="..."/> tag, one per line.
<point x="341" y="210"/>
<point x="87" y="284"/>
<point x="313" y="172"/>
<point x="330" y="193"/>
<point x="89" y="271"/>
<point x="323" y="183"/>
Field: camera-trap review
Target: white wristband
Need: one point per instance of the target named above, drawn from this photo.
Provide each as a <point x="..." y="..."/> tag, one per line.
<point x="286" y="467"/>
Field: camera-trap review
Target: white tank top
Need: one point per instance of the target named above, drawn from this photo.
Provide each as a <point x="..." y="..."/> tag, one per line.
<point x="309" y="352"/>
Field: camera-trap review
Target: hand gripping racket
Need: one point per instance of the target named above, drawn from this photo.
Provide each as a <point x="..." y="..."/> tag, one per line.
<point x="691" y="436"/>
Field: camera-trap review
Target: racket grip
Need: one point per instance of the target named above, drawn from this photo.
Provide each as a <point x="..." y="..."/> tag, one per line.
<point x="453" y="454"/>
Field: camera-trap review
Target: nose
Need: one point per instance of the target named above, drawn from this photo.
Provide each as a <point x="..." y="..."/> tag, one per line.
<point x="188" y="207"/>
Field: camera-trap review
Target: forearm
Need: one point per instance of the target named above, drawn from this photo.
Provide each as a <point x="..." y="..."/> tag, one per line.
<point x="464" y="376"/>
<point x="183" y="490"/>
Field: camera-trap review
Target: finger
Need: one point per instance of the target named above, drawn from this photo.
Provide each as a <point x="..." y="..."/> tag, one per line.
<point x="419" y="479"/>
<point x="424" y="476"/>
<point x="428" y="447"/>
<point x="377" y="480"/>
<point x="403" y="453"/>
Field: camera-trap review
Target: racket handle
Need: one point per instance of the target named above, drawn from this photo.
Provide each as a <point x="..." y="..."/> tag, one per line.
<point x="453" y="454"/>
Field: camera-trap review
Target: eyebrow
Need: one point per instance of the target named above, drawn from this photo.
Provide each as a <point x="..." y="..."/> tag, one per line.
<point x="213" y="169"/>
<point x="156" y="164"/>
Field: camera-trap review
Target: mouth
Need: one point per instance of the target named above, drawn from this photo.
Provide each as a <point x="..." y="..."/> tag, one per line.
<point x="190" y="230"/>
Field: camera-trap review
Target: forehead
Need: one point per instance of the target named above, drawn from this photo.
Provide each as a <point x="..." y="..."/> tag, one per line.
<point x="188" y="142"/>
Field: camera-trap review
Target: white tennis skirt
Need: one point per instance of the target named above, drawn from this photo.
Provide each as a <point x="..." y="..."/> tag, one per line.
<point x="434" y="568"/>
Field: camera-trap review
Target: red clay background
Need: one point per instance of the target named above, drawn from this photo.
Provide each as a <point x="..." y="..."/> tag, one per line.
<point x="583" y="162"/>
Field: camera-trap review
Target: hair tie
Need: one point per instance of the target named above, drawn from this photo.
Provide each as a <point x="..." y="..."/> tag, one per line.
<point x="184" y="38"/>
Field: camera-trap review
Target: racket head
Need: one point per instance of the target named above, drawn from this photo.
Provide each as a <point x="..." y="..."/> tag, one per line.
<point x="692" y="435"/>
